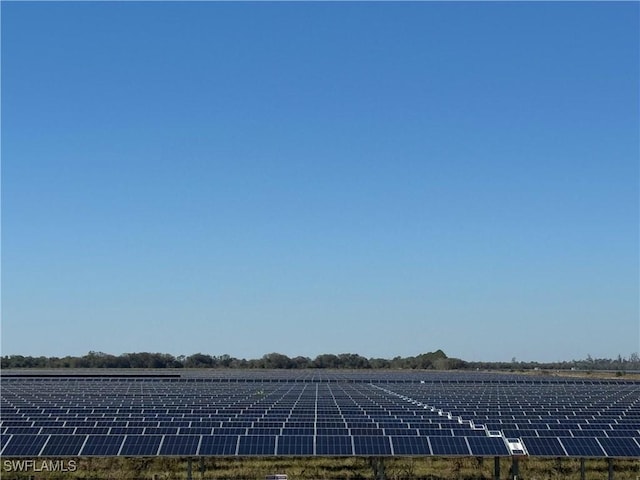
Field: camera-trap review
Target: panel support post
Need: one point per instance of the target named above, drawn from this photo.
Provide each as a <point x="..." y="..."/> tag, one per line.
<point x="189" y="469"/>
<point x="582" y="469"/>
<point x="610" y="462"/>
<point x="202" y="467"/>
<point x="377" y="464"/>
<point x="496" y="468"/>
<point x="515" y="469"/>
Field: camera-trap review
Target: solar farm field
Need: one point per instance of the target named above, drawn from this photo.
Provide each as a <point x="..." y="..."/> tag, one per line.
<point x="306" y="414"/>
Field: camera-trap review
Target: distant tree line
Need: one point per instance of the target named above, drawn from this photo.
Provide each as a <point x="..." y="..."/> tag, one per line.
<point x="437" y="360"/>
<point x="619" y="364"/>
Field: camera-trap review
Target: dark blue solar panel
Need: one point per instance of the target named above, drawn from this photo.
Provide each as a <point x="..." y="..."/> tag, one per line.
<point x="472" y="433"/>
<point x="195" y="431"/>
<point x="332" y="432"/>
<point x="436" y="432"/>
<point x="78" y="423"/>
<point x="371" y="445"/>
<point x="180" y="445"/>
<point x="56" y="431"/>
<point x="583" y="433"/>
<point x="488" y="446"/>
<point x="620" y="447"/>
<point x="110" y="423"/>
<point x="449" y="446"/>
<point x="257" y="445"/>
<point x="264" y="431"/>
<point x="16" y="424"/>
<point x="229" y="431"/>
<point x="63" y="445"/>
<point x="219" y="445"/>
<point x="295" y="445"/>
<point x="92" y="431"/>
<point x="548" y="433"/>
<point x="24" y="445"/>
<point x="126" y="431"/>
<point x="174" y="424"/>
<point x="157" y="431"/>
<point x="543" y="447"/>
<point x="582" y="447"/>
<point x="102" y="445"/>
<point x="298" y="431"/>
<point x="410" y="445"/>
<point x="400" y="432"/>
<point x="366" y="432"/>
<point x="22" y="431"/>
<point x="528" y="408"/>
<point x="4" y="439"/>
<point x="336" y="446"/>
<point x="139" y="445"/>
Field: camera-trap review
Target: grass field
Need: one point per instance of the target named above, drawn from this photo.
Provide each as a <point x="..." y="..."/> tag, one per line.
<point x="348" y="468"/>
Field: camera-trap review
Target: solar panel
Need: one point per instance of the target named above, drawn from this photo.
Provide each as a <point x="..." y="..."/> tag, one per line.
<point x="126" y="431"/>
<point x="366" y="432"/>
<point x="24" y="445"/>
<point x="22" y="431"/>
<point x="298" y="431"/>
<point x="582" y="447"/>
<point x="620" y="447"/>
<point x="180" y="445"/>
<point x="543" y="447"/>
<point x="369" y="414"/>
<point x="264" y="431"/>
<point x="436" y="432"/>
<point x="63" y="445"/>
<point x="195" y="431"/>
<point x="229" y="431"/>
<point x="624" y="433"/>
<point x="295" y="445"/>
<point x="410" y="445"/>
<point x="92" y="431"/>
<point x="400" y="432"/>
<point x="141" y="445"/>
<point x="153" y="431"/>
<point x="449" y="446"/>
<point x="488" y="446"/>
<point x="257" y="445"/>
<point x="219" y="445"/>
<point x="56" y="431"/>
<point x="334" y="446"/>
<point x="102" y="445"/>
<point x="371" y="445"/>
<point x="4" y="439"/>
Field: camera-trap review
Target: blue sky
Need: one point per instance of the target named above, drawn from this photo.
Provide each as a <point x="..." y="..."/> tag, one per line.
<point x="375" y="178"/>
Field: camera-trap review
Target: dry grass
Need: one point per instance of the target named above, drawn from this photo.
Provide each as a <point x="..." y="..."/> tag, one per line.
<point x="319" y="468"/>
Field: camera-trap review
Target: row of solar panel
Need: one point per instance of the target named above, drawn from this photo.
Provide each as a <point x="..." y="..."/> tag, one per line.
<point x="144" y="445"/>
<point x="204" y="422"/>
<point x="323" y="432"/>
<point x="201" y="428"/>
<point x="296" y="376"/>
<point x="147" y="445"/>
<point x="144" y="421"/>
<point x="189" y="405"/>
<point x="48" y="426"/>
<point x="18" y="419"/>
<point x="582" y="447"/>
<point x="31" y="419"/>
<point x="600" y="423"/>
<point x="458" y="394"/>
<point x="336" y="405"/>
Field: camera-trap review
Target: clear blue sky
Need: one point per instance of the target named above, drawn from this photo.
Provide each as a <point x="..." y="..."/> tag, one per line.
<point x="375" y="178"/>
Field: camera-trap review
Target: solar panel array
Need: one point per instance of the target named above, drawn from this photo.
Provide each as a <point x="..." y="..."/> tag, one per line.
<point x="341" y="414"/>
